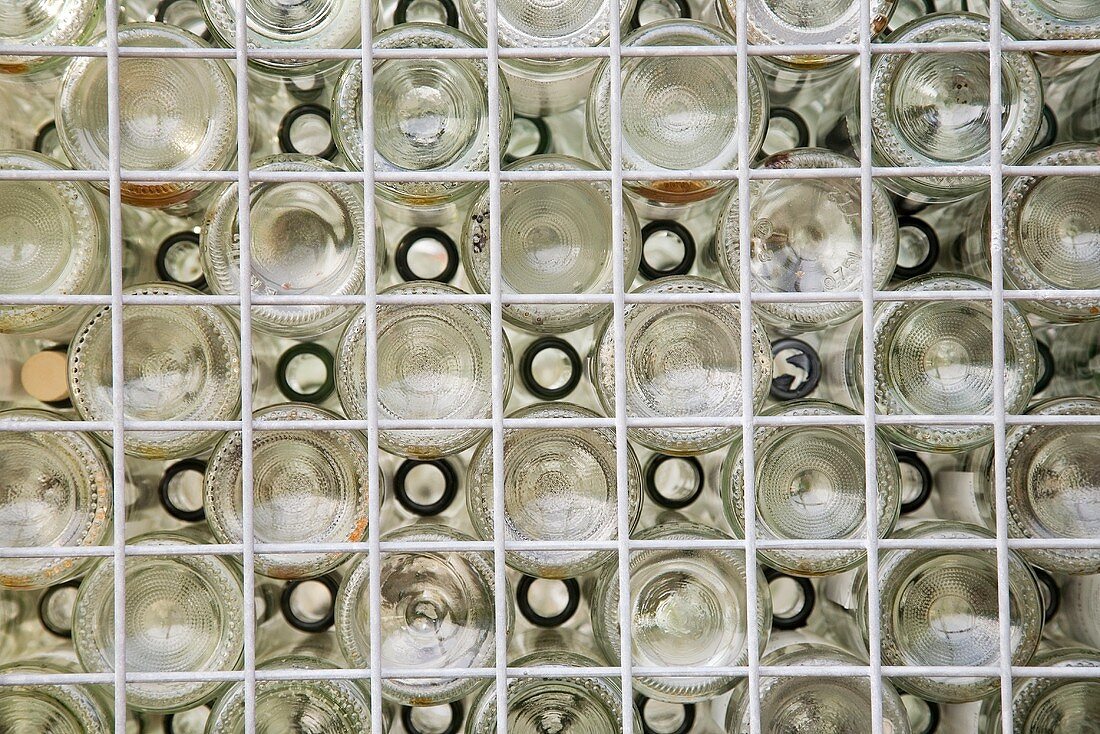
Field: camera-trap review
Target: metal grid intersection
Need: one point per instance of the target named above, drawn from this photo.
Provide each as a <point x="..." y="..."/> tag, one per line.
<point x="238" y="56"/>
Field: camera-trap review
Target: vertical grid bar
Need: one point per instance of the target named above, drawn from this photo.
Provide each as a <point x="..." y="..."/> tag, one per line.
<point x="870" y="439"/>
<point x="618" y="316"/>
<point x="118" y="439"/>
<point x="998" y="310"/>
<point x="496" y="341"/>
<point x="752" y="622"/>
<point x="244" y="210"/>
<point x="370" y="351"/>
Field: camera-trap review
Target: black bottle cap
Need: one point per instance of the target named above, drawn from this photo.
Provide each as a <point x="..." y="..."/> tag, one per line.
<point x="654" y="492"/>
<point x="164" y="489"/>
<point x="523" y="588"/>
<point x="798" y="619"/>
<point x="685" y="726"/>
<point x="923" y="473"/>
<point x="458" y="713"/>
<point x="676" y="230"/>
<point x="450" y="487"/>
<point x="44" y="604"/>
<point x="903" y="272"/>
<point x="545" y="138"/>
<point x="321" y="624"/>
<point x="786" y="113"/>
<point x="286" y="128"/>
<point x="450" y="12"/>
<point x="683" y="10"/>
<point x="1046" y="362"/>
<point x="314" y="350"/>
<point x="184" y="238"/>
<point x="801" y="369"/>
<point x="401" y="255"/>
<point x="527" y="363"/>
<point x="1053" y="595"/>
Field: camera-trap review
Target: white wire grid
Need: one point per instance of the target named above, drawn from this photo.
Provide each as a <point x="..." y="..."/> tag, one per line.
<point x="495" y="299"/>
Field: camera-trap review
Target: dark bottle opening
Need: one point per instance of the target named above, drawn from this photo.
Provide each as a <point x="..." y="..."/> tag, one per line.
<point x="668" y="248"/>
<point x="412" y="478"/>
<point x="530" y="136"/>
<point x="544" y="617"/>
<point x="799" y="594"/>
<point x="796" y="369"/>
<point x="426" y="11"/>
<point x="1051" y="593"/>
<point x="307" y="130"/>
<point x="554" y="358"/>
<point x="651" y="11"/>
<point x="673" y="481"/>
<point x="309" y="605"/>
<point x="305" y="88"/>
<point x="786" y="129"/>
<point x="55" y="608"/>
<point x="661" y="717"/>
<point x="180" y="494"/>
<point x="424" y="249"/>
<point x="305" y="373"/>
<point x="1046" y="364"/>
<point x="918" y="248"/>
<point x="178" y="260"/>
<point x="916" y="485"/>
<point x="456" y="713"/>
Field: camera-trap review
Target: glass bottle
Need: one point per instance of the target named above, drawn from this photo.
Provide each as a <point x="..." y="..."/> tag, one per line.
<point x="938" y="607"/>
<point x="656" y="134"/>
<point x="543" y="86"/>
<point x="936" y="358"/>
<point x="805" y="235"/>
<point x="159" y="246"/>
<point x="308" y="486"/>
<point x="329" y="705"/>
<point x="61" y="708"/>
<point x="932" y="109"/>
<point x="433" y="363"/>
<point x="438" y="611"/>
<point x="56" y="491"/>
<point x="559" y="484"/>
<point x="44" y="23"/>
<point x="183" y="613"/>
<point x="1049" y="705"/>
<point x="576" y="705"/>
<point x="276" y="26"/>
<point x="810" y="485"/>
<point x="194" y="128"/>
<point x="556" y="237"/>
<point x="307" y="238"/>
<point x="806" y="705"/>
<point x="681" y="360"/>
<point x="431" y="115"/>
<point x="179" y="363"/>
<point x="1075" y="622"/>
<point x="53" y="241"/>
<point x="1050" y="225"/>
<point x="688" y="607"/>
<point x="287" y="370"/>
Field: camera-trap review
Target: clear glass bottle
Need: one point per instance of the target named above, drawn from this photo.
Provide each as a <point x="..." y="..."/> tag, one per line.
<point x="805" y="235"/>
<point x="938" y="607"/>
<point x="433" y="363"/>
<point x="159" y="246"/>
<point x="179" y="363"/>
<point x="56" y="492"/>
<point x="542" y="86"/>
<point x="559" y="484"/>
<point x="64" y="708"/>
<point x="1049" y="705"/>
<point x="308" y="487"/>
<point x="807" y="705"/>
<point x="810" y="485"/>
<point x="682" y="360"/>
<point x="1075" y="622"/>
<point x="307" y="238"/>
<point x="1048" y="238"/>
<point x="1051" y="476"/>
<point x="556" y="237"/>
<point x="438" y="611"/>
<point x="45" y="23"/>
<point x="431" y="115"/>
<point x="932" y="109"/>
<point x="657" y="136"/>
<point x="936" y="358"/>
<point x="183" y="613"/>
<point x="53" y="241"/>
<point x="333" y="705"/>
<point x="194" y="128"/>
<point x="574" y="705"/>
<point x="688" y="607"/>
<point x="285" y="28"/>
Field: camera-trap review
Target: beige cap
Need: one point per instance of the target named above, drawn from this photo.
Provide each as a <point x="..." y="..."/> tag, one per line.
<point x="45" y="376"/>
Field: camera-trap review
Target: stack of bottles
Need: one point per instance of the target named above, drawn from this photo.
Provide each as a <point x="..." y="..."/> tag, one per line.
<point x="906" y="463"/>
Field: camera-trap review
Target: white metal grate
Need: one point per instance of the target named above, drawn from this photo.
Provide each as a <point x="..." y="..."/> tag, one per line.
<point x="495" y="299"/>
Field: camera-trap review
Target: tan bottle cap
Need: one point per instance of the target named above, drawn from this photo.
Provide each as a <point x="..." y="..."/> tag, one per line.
<point x="45" y="376"/>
